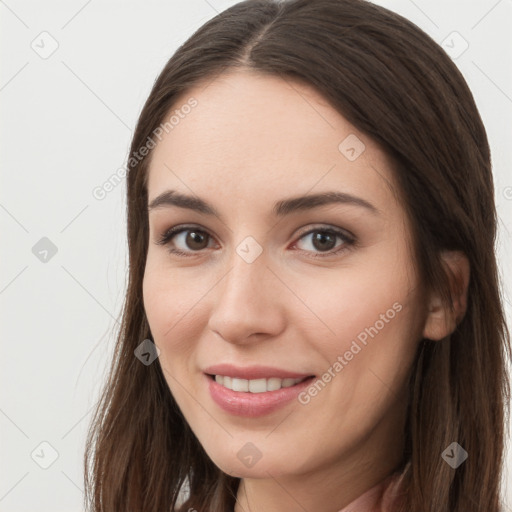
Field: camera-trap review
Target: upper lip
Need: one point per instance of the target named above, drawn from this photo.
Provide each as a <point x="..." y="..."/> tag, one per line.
<point x="253" y="372"/>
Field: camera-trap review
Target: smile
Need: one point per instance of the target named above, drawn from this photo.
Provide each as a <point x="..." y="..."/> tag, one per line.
<point x="254" y="397"/>
<point x="255" y="385"/>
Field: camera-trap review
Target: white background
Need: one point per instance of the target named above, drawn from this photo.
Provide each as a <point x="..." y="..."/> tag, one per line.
<point x="66" y="125"/>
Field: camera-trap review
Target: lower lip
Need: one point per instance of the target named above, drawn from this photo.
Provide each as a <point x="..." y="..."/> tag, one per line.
<point x="251" y="405"/>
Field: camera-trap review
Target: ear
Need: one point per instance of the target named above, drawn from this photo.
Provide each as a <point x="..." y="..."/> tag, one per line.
<point x="441" y="319"/>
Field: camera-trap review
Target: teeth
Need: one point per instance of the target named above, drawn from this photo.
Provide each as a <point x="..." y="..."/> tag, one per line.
<point x="255" y="385"/>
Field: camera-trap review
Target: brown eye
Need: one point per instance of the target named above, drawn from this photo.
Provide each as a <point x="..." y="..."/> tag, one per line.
<point x="195" y="240"/>
<point x="190" y="241"/>
<point x="185" y="240"/>
<point x="325" y="241"/>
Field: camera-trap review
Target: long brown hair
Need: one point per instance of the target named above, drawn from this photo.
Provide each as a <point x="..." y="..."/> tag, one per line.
<point x="395" y="84"/>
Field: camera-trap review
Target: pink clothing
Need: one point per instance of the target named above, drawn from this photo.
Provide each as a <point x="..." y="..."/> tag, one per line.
<point x="382" y="497"/>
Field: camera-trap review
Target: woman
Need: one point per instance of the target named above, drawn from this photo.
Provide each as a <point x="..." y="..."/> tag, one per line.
<point x="313" y="318"/>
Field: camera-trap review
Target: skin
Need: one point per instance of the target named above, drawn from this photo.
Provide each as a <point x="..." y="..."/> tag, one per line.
<point x="251" y="141"/>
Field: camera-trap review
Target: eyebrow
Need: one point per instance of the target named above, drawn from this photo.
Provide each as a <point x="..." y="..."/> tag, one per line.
<point x="280" y="208"/>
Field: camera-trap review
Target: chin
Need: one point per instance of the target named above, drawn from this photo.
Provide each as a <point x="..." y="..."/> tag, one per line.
<point x="247" y="462"/>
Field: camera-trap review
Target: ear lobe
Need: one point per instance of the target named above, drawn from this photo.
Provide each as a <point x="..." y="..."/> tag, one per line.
<point x="441" y="319"/>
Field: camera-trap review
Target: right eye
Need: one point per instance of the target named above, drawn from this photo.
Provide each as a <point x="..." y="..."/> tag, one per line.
<point x="188" y="239"/>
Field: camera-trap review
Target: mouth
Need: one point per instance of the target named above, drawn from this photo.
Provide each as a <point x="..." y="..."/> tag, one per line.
<point x="262" y="385"/>
<point x="252" y="398"/>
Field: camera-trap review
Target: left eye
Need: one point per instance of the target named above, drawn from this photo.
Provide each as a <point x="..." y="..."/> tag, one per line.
<point x="193" y="240"/>
<point x="324" y="240"/>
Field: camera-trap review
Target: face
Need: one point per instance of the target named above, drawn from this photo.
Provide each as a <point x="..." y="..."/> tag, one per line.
<point x="322" y="291"/>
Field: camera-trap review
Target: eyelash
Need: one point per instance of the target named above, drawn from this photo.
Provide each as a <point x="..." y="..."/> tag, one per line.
<point x="349" y="241"/>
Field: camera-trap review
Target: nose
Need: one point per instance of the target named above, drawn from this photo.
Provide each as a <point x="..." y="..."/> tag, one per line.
<point x="248" y="303"/>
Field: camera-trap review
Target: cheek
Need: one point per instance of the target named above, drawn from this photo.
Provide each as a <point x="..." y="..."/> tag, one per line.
<point x="170" y="298"/>
<point x="172" y="304"/>
<point x="364" y="366"/>
<point x="171" y="309"/>
<point x="350" y="301"/>
<point x="369" y="330"/>
<point x="374" y="342"/>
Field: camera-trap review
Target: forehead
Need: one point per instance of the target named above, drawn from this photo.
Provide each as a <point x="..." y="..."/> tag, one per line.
<point x="261" y="136"/>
